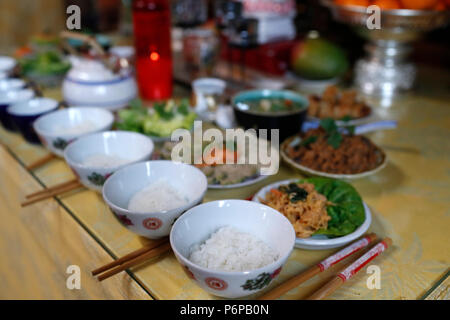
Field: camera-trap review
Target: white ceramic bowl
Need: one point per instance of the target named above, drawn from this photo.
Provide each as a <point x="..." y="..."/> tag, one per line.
<point x="11" y="84"/>
<point x="197" y="225"/>
<point x="32" y="107"/>
<point x="7" y="64"/>
<point x="8" y="98"/>
<point x="126" y="182"/>
<point x="57" y="129"/>
<point x="131" y="147"/>
<point x="320" y="242"/>
<point x="23" y="114"/>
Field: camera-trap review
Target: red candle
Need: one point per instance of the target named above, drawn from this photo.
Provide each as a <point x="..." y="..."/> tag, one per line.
<point x="151" y="21"/>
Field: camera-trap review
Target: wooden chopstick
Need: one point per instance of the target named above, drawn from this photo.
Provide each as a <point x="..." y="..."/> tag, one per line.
<point x="53" y="193"/>
<point x="131" y="263"/>
<point x="316" y="269"/>
<point x="130" y="256"/>
<point x="41" y="161"/>
<point x="51" y="189"/>
<point x="352" y="269"/>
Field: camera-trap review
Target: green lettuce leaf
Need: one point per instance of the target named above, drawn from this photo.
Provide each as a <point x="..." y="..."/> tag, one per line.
<point x="346" y="211"/>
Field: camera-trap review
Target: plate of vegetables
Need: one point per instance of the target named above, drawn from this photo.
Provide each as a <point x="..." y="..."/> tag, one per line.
<point x="158" y="121"/>
<point x="47" y="68"/>
<point x="325" y="213"/>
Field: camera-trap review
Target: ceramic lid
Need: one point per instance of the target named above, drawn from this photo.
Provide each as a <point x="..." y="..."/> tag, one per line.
<point x="89" y="70"/>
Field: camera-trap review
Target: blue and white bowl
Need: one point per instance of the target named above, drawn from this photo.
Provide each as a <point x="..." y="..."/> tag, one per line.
<point x="59" y="128"/>
<point x="23" y="114"/>
<point x="11" y="84"/>
<point x="7" y="65"/>
<point x="12" y="97"/>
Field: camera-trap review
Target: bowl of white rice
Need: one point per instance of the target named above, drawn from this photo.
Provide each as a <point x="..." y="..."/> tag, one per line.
<point x="232" y="248"/>
<point x="148" y="197"/>
<point x="95" y="157"/>
<point x="59" y="128"/>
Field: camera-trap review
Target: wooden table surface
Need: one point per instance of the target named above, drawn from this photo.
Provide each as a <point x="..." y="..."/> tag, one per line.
<point x="409" y="199"/>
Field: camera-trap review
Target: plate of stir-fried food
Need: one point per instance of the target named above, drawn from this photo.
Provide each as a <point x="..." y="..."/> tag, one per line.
<point x="325" y="213"/>
<point x="343" y="106"/>
<point x="333" y="152"/>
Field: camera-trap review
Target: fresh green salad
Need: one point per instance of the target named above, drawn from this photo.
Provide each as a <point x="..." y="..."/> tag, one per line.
<point x="160" y="120"/>
<point x="44" y="63"/>
<point x="346" y="208"/>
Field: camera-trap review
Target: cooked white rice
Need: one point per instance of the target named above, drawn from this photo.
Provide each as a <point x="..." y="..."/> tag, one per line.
<point x="156" y="197"/>
<point x="231" y="250"/>
<point x="104" y="161"/>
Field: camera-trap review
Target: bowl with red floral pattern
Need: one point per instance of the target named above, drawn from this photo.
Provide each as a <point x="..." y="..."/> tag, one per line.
<point x="148" y="197"/>
<point x="233" y="235"/>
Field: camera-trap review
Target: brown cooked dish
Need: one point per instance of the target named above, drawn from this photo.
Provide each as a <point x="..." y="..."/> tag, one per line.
<point x="307" y="216"/>
<point x="337" y="105"/>
<point x="355" y="154"/>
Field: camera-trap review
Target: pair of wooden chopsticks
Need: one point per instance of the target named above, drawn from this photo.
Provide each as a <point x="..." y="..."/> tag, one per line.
<point x="327" y="263"/>
<point x="40" y="162"/>
<point x="51" y="192"/>
<point x="151" y="250"/>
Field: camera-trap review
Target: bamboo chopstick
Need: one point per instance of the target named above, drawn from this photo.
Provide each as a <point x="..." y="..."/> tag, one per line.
<point x="51" y="189"/>
<point x="316" y="269"/>
<point x="352" y="269"/>
<point x="130" y="256"/>
<point x="53" y="193"/>
<point x="131" y="263"/>
<point x="41" y="161"/>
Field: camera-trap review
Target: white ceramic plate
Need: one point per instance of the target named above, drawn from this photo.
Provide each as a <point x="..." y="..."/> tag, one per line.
<point x="238" y="185"/>
<point x="320" y="242"/>
<point x="353" y="122"/>
<point x="310" y="172"/>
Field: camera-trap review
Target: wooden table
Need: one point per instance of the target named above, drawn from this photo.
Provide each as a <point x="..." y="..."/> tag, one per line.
<point x="410" y="202"/>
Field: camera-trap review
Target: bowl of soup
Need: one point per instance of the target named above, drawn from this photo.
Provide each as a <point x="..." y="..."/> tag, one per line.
<point x="271" y="109"/>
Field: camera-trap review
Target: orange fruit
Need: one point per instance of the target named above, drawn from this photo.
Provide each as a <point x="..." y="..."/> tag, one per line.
<point x="418" y="4"/>
<point x="362" y="3"/>
<point x="387" y="4"/>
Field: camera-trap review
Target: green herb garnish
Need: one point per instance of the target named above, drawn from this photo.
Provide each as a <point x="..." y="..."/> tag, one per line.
<point x="295" y="192"/>
<point x="183" y="108"/>
<point x="334" y="137"/>
<point x="164" y="110"/>
<point x="307" y="141"/>
<point x="346" y="118"/>
<point x="350" y="130"/>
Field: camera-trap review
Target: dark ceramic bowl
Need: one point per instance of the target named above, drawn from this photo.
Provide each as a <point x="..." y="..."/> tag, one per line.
<point x="23" y="114"/>
<point x="287" y="122"/>
<point x="9" y="98"/>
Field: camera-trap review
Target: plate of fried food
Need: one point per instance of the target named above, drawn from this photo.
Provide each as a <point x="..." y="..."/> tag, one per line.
<point x="223" y="175"/>
<point x="325" y="213"/>
<point x="343" y="106"/>
<point x="334" y="152"/>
